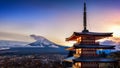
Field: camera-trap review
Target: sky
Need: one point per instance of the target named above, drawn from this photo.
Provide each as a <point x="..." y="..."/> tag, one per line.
<point x="56" y="19"/>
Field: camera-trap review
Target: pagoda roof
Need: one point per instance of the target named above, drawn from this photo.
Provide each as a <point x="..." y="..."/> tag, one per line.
<point x="95" y="59"/>
<point x="90" y="59"/>
<point x="95" y="46"/>
<point x="69" y="59"/>
<point x="93" y="33"/>
<point x="97" y="34"/>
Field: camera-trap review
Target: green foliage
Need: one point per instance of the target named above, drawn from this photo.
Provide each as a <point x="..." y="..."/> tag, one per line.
<point x="114" y="55"/>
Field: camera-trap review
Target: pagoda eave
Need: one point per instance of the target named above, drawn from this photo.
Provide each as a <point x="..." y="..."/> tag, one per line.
<point x="70" y="49"/>
<point x="93" y="33"/>
<point x="95" y="46"/>
<point x="75" y="35"/>
<point x="72" y="38"/>
<point x="99" y="60"/>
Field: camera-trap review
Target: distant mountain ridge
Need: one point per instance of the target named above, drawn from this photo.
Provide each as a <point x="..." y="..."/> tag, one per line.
<point x="40" y="46"/>
<point x="10" y="43"/>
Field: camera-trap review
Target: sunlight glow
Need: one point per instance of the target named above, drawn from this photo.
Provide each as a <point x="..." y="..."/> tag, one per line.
<point x="72" y="42"/>
<point x="115" y="30"/>
<point x="101" y="40"/>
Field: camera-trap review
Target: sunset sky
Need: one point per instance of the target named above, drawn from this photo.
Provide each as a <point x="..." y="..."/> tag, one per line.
<point x="56" y="19"/>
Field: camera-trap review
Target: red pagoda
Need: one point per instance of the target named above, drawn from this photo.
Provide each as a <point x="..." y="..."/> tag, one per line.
<point x="83" y="53"/>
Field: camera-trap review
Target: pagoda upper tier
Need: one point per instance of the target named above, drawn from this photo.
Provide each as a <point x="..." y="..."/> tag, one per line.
<point x="95" y="35"/>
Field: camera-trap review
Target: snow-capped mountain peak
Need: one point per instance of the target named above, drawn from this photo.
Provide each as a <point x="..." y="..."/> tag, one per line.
<point x="42" y="42"/>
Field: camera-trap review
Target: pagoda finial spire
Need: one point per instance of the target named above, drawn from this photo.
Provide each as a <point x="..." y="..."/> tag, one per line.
<point x="85" y="18"/>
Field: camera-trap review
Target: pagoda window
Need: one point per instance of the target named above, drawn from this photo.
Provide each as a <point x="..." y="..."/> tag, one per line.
<point x="77" y="65"/>
<point x="78" y="40"/>
<point x="77" y="52"/>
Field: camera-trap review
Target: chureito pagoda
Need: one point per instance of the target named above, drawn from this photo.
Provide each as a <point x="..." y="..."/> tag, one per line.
<point x="83" y="53"/>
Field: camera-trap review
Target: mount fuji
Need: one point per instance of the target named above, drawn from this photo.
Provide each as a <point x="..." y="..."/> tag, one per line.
<point x="43" y="42"/>
<point x="40" y="46"/>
